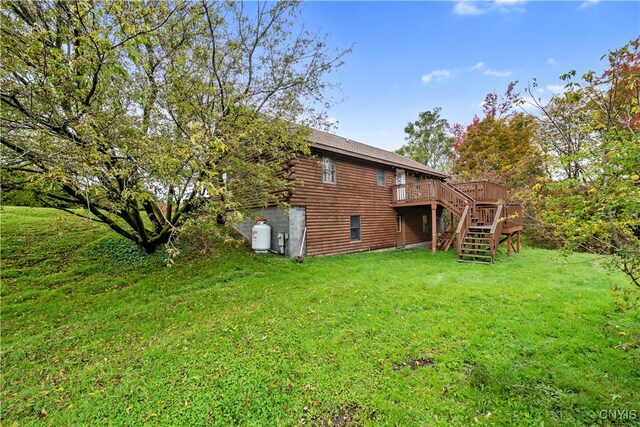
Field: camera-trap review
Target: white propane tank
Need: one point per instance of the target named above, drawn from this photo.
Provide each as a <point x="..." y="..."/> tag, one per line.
<point x="261" y="236"/>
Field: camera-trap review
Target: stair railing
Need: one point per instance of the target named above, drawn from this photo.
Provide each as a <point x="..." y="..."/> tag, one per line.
<point x="496" y="231"/>
<point x="463" y="227"/>
<point x="453" y="198"/>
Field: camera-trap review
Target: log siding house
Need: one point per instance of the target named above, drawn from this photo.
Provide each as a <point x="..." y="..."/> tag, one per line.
<point x="352" y="197"/>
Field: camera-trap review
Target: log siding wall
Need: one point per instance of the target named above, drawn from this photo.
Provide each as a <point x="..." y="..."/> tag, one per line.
<point x="356" y="192"/>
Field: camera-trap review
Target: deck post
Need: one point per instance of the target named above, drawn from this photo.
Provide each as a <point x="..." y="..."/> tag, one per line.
<point x="434" y="229"/>
<point x="518" y="242"/>
<point x="509" y="245"/>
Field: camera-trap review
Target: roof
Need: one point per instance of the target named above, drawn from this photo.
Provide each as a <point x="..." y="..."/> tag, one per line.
<point x="337" y="144"/>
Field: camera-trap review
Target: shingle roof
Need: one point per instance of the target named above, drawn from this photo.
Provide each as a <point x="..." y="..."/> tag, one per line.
<point x="337" y="144"/>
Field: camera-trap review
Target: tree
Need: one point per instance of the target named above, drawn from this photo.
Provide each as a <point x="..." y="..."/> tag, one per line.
<point x="500" y="147"/>
<point x="428" y="141"/>
<point x="596" y="205"/>
<point x="564" y="136"/>
<point x="144" y="113"/>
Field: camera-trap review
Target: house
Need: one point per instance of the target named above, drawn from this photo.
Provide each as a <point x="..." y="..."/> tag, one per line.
<point x="352" y="197"/>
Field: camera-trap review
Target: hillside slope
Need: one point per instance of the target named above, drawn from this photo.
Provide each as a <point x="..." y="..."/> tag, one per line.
<point x="96" y="332"/>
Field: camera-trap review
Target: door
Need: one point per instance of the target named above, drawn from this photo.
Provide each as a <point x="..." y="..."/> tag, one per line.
<point x="400" y="231"/>
<point x="400" y="185"/>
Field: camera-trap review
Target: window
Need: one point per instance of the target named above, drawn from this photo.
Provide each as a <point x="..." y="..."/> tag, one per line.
<point x="382" y="177"/>
<point x="328" y="170"/>
<point x="401" y="193"/>
<point x="425" y="223"/>
<point x="355" y="228"/>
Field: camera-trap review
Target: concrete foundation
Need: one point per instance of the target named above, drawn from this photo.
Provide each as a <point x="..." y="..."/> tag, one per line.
<point x="297" y="226"/>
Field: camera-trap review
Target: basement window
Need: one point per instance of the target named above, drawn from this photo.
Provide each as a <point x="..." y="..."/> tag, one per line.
<point x="328" y="170"/>
<point x="355" y="228"/>
<point x="382" y="178"/>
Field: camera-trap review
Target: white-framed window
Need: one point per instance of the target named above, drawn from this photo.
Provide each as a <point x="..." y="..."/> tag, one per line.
<point x="382" y="177"/>
<point x="328" y="170"/>
<point x="354" y="228"/>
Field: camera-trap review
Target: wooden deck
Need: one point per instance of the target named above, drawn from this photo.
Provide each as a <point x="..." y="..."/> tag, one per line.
<point x="486" y="216"/>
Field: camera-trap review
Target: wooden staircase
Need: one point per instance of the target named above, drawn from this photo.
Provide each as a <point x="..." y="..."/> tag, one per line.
<point x="476" y="246"/>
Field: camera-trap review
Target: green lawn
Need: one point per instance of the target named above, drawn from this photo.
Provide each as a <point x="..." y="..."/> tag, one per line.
<point x="94" y="332"/>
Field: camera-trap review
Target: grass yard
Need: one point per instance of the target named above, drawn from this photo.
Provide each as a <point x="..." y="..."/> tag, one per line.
<point x="95" y="332"/>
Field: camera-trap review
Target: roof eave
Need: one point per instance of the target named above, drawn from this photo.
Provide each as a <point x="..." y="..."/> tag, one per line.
<point x="376" y="160"/>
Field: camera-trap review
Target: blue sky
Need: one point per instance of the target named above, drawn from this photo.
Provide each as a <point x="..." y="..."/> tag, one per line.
<point x="410" y="57"/>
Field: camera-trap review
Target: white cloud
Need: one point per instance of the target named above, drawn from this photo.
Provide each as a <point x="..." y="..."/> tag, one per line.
<point x="467" y="8"/>
<point x="555" y="89"/>
<point x="529" y="105"/>
<point x="475" y="8"/>
<point x="446" y="74"/>
<point x="475" y="67"/>
<point x="551" y="61"/>
<point x="539" y="90"/>
<point x="438" y="75"/>
<point x="497" y="73"/>
<point x="588" y="3"/>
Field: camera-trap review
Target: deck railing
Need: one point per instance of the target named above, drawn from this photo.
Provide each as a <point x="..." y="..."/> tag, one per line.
<point x="483" y="190"/>
<point x="456" y="194"/>
<point x="432" y="190"/>
<point x="486" y="214"/>
<point x="405" y="193"/>
<point x="513" y="216"/>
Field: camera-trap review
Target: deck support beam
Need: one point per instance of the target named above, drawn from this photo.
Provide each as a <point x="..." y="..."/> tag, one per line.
<point x="434" y="229"/>
<point x="509" y="245"/>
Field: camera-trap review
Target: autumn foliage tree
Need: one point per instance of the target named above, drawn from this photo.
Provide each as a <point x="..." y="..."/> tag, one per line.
<point x="143" y="113"/>
<point x="501" y="146"/>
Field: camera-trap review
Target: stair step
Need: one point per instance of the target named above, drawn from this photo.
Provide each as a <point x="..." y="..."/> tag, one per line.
<point x="474" y="241"/>
<point x="473" y="262"/>
<point x="474" y="255"/>
<point x="479" y="227"/>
